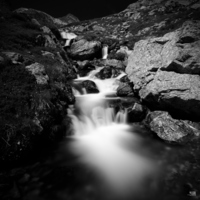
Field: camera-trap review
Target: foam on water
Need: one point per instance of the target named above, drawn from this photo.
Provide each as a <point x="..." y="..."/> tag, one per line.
<point x="102" y="141"/>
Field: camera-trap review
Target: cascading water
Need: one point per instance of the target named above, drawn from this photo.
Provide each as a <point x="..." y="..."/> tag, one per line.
<point x="104" y="142"/>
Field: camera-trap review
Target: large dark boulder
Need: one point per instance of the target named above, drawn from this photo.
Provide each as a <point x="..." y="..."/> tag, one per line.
<point x="89" y="86"/>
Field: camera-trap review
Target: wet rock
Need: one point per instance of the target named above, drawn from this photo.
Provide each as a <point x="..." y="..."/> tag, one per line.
<point x="125" y="89"/>
<point x="14" y="57"/>
<point x="38" y="71"/>
<point x="169" y="129"/>
<point x="84" y="49"/>
<point x="125" y="79"/>
<point x="90" y="86"/>
<point x="136" y="113"/>
<point x="107" y="72"/>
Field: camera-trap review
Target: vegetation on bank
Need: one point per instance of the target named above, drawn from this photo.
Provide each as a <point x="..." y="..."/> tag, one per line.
<point x="31" y="113"/>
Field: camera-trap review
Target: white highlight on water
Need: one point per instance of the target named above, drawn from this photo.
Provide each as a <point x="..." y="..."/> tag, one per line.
<point x="103" y="141"/>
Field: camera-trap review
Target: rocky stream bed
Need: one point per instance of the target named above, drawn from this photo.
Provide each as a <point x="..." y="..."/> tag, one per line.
<point x="155" y="45"/>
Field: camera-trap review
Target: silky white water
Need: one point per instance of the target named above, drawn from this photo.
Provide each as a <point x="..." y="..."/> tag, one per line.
<point x="104" y="142"/>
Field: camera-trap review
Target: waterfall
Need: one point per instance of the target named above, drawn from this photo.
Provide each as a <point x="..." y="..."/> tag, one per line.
<point x="104" y="141"/>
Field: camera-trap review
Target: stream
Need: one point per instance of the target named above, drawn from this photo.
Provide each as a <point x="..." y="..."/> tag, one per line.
<point x="106" y="158"/>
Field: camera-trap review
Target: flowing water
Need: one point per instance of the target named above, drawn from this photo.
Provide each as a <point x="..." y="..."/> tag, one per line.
<point x="106" y="158"/>
<point x="108" y="145"/>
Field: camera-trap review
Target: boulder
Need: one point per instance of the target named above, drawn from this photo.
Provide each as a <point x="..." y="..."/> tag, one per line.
<point x="176" y="51"/>
<point x="89" y="86"/>
<point x="173" y="91"/>
<point x="165" y="70"/>
<point x="125" y="79"/>
<point x="108" y="72"/>
<point x="84" y="49"/>
<point x="125" y="89"/>
<point x="169" y="129"/>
